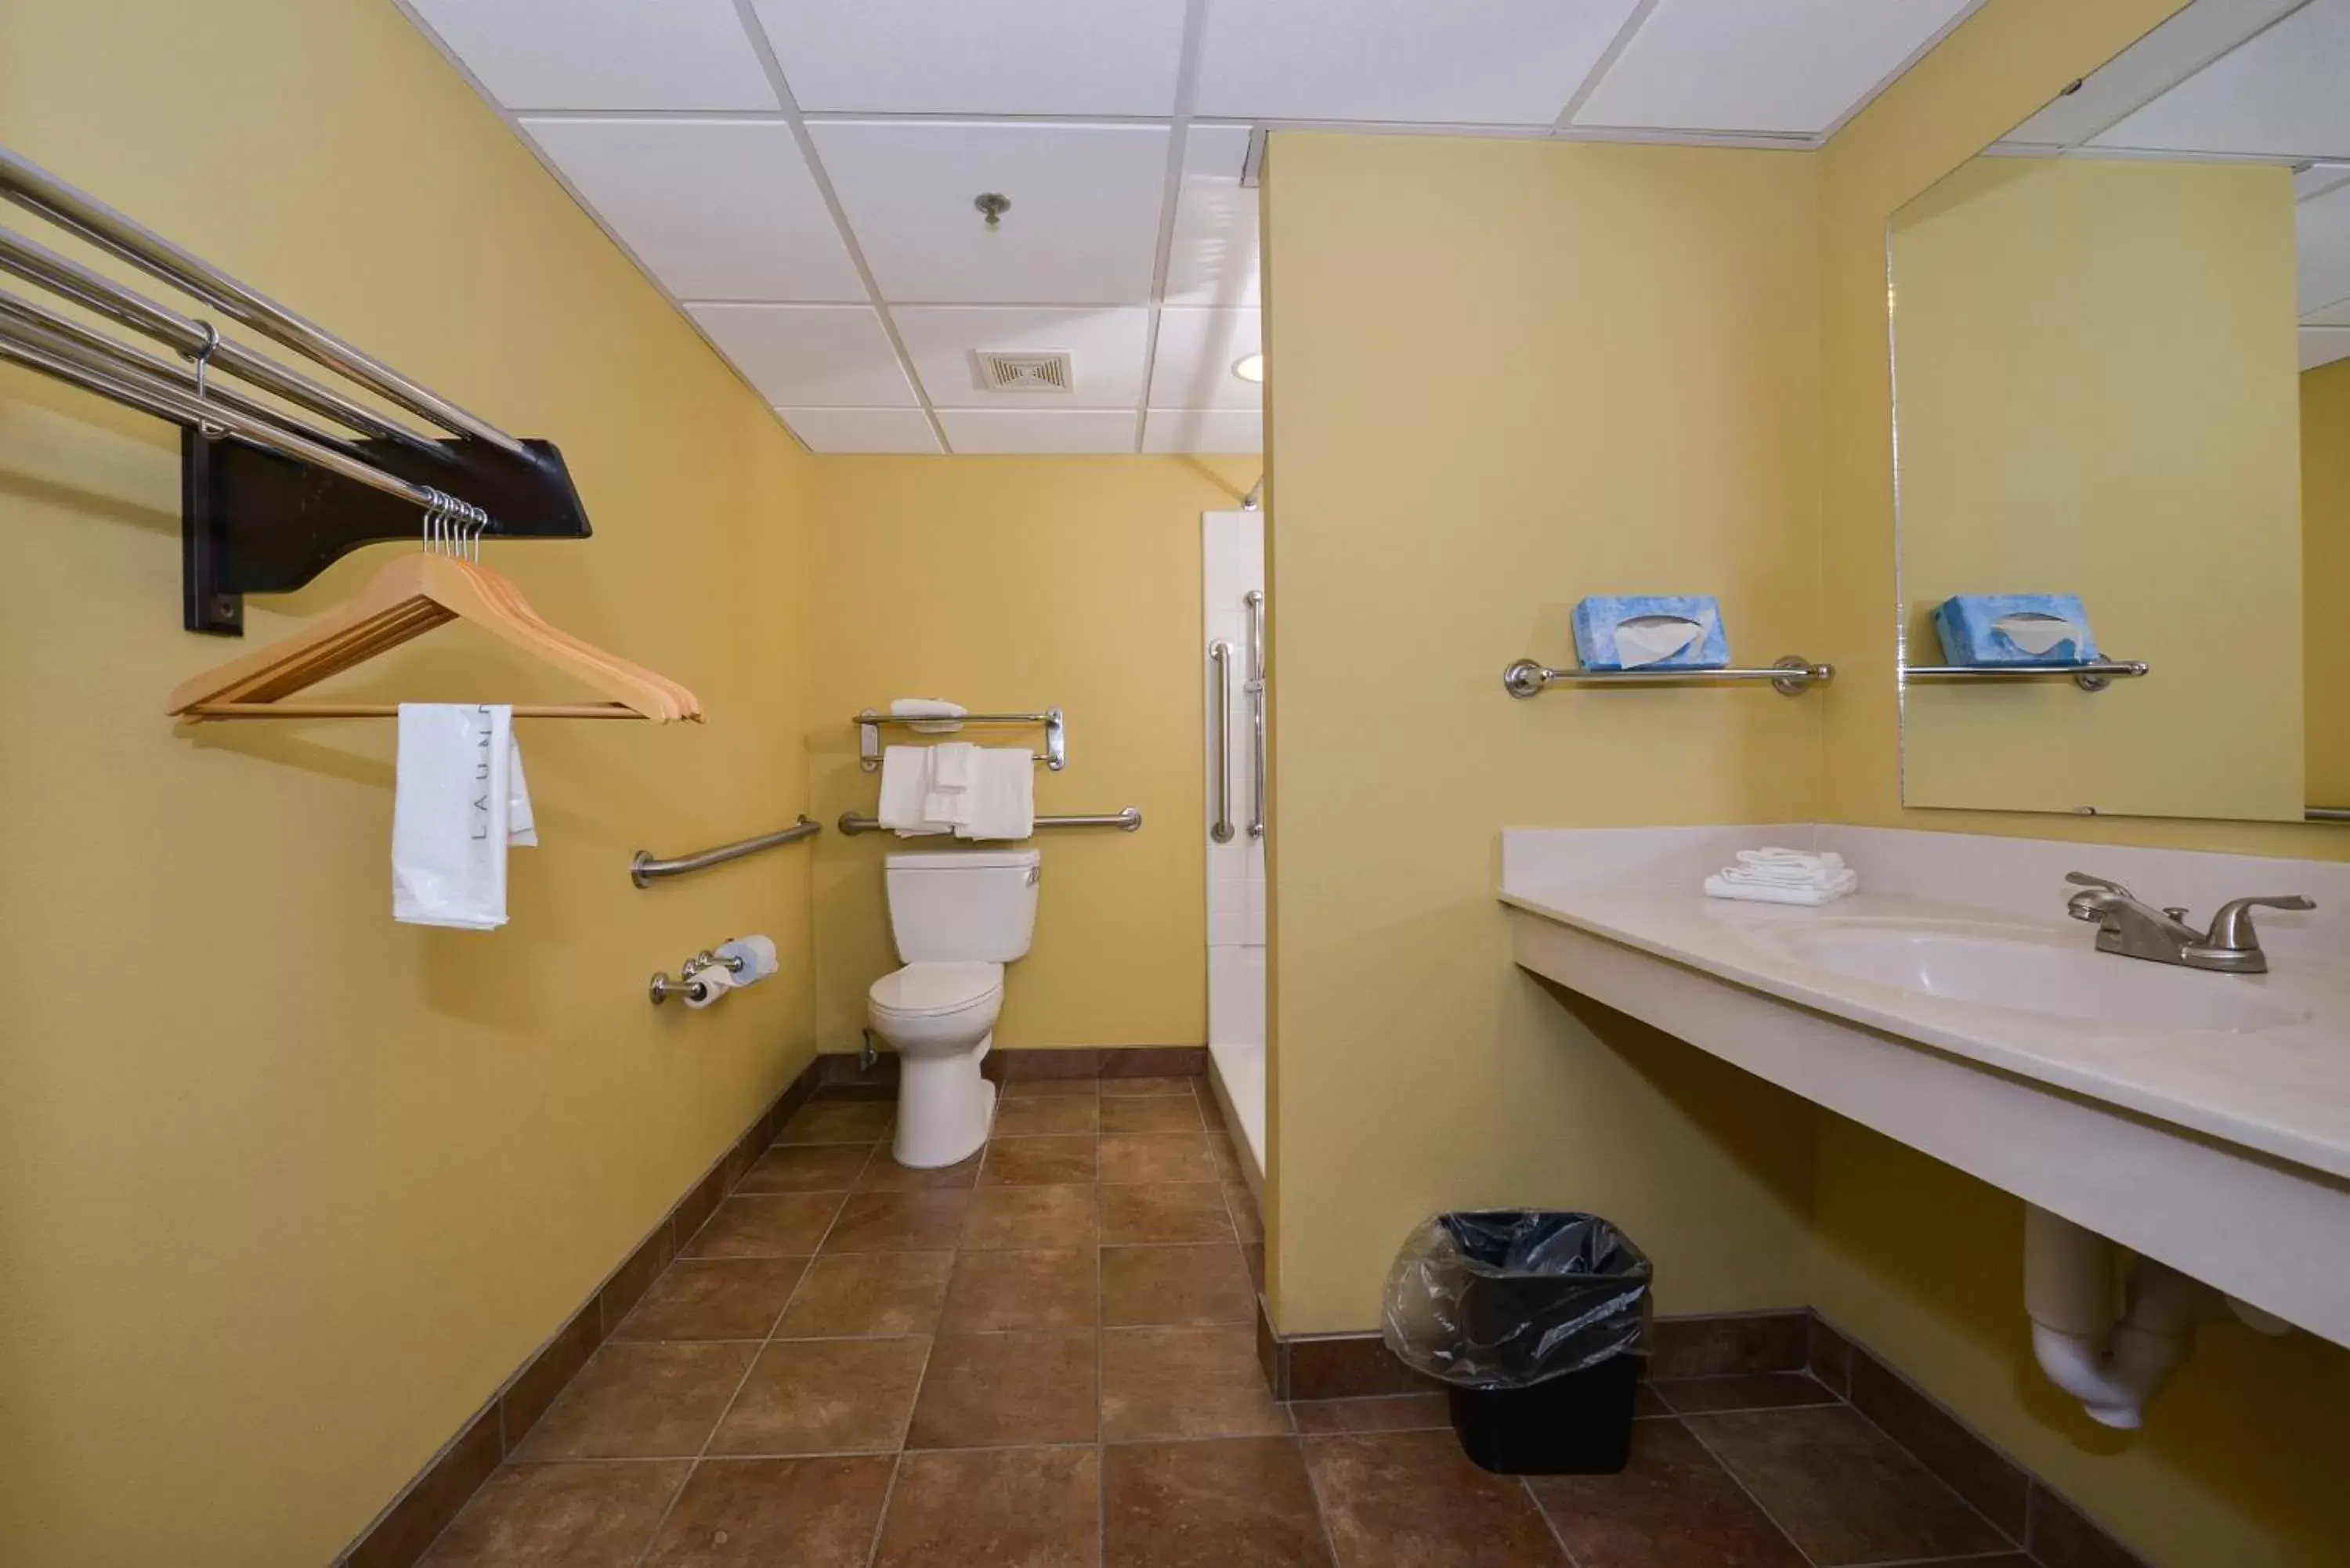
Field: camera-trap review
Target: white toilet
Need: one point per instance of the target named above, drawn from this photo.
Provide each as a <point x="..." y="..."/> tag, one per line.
<point x="957" y="920"/>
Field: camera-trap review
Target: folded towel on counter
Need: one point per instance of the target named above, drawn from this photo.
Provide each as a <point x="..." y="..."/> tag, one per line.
<point x="1785" y="868"/>
<point x="905" y="793"/>
<point x="459" y="801"/>
<point x="932" y="708"/>
<point x="1003" y="794"/>
<point x="1718" y="886"/>
<point x="1784" y="877"/>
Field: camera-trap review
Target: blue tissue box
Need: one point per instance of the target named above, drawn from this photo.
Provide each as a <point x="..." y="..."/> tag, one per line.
<point x="1602" y="637"/>
<point x="2039" y="630"/>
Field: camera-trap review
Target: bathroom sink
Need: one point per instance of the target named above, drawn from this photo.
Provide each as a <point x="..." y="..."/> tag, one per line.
<point x="2025" y="970"/>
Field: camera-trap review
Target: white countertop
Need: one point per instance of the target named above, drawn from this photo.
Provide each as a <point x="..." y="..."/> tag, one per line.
<point x="2283" y="1091"/>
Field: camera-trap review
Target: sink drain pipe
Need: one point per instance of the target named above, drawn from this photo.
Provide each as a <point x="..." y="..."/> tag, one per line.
<point x="2108" y="1348"/>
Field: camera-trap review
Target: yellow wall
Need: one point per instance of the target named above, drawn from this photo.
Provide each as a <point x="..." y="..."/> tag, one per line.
<point x="2097" y="396"/>
<point x="2233" y="1466"/>
<point x="2325" y="576"/>
<point x="287" y="1190"/>
<point x="1560" y="370"/>
<point x="1021" y="584"/>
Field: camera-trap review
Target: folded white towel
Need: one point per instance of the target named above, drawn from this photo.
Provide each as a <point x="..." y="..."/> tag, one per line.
<point x="1782" y="876"/>
<point x="459" y="800"/>
<point x="1003" y="794"/>
<point x="930" y="707"/>
<point x="1797" y="859"/>
<point x="1718" y="886"/>
<point x="905" y="789"/>
<point x="949" y="800"/>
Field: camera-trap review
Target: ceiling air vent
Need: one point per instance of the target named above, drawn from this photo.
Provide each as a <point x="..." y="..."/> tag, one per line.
<point x="1023" y="372"/>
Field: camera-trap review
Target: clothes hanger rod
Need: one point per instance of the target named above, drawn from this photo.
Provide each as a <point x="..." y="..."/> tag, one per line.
<point x="37" y="190"/>
<point x="23" y="311"/>
<point x="112" y="376"/>
<point x="43" y="268"/>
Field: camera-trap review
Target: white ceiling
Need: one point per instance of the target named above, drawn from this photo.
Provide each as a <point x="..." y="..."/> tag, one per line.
<point x="2259" y="82"/>
<point x="799" y="174"/>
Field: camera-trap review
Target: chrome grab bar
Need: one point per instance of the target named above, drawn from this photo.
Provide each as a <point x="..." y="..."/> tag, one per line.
<point x="1254" y="601"/>
<point x="644" y="869"/>
<point x="1220" y="654"/>
<point x="1129" y="821"/>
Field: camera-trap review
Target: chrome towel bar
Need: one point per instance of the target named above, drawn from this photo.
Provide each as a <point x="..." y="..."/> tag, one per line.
<point x="1126" y="821"/>
<point x="870" y="724"/>
<point x="2091" y="677"/>
<point x="644" y="870"/>
<point x="1790" y="676"/>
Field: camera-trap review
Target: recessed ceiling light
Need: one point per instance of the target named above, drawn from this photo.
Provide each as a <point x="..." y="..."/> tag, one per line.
<point x="1250" y="368"/>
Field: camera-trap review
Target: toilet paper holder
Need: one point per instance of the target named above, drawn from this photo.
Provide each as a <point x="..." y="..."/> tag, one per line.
<point x="685" y="987"/>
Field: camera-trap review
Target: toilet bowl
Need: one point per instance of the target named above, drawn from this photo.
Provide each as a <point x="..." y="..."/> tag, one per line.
<point x="941" y="1020"/>
<point x="957" y="920"/>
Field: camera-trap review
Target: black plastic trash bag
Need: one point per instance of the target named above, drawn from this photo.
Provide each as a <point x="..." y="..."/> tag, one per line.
<point x="1503" y="1298"/>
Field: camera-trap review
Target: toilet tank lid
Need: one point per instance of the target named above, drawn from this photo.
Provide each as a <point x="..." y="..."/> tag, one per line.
<point x="966" y="860"/>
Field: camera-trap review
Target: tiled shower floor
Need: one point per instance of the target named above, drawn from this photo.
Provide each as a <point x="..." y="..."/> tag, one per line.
<point x="1045" y="1358"/>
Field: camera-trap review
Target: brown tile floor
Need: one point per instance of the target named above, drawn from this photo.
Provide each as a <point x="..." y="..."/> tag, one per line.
<point x="1045" y="1358"/>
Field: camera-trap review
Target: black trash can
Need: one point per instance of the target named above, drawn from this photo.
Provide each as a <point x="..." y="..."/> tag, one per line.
<point x="1537" y="1321"/>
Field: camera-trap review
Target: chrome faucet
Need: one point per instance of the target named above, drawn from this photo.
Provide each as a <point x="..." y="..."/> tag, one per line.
<point x="2137" y="931"/>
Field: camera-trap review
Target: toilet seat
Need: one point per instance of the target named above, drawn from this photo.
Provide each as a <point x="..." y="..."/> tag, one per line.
<point x="936" y="990"/>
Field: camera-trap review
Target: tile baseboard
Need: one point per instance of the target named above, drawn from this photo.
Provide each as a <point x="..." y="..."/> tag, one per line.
<point x="407" y="1525"/>
<point x="1029" y="1062"/>
<point x="2053" y="1531"/>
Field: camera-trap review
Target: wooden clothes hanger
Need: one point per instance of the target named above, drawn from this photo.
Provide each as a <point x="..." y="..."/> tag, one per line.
<point x="407" y="598"/>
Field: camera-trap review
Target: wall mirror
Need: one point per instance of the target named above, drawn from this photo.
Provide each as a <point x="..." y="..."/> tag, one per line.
<point x="2121" y="360"/>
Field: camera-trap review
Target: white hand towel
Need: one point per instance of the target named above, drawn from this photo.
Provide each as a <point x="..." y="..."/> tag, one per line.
<point x="1799" y="859"/>
<point x="1003" y="794"/>
<point x="949" y="799"/>
<point x="1784" y="876"/>
<point x="1717" y="886"/>
<point x="454" y="814"/>
<point x="905" y="786"/>
<point x="930" y="707"/>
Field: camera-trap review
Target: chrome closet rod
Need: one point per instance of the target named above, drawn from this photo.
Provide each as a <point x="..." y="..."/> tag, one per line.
<point x="111" y="375"/>
<point x="26" y="313"/>
<point x="1128" y="821"/>
<point x="644" y="869"/>
<point x="93" y="291"/>
<point x="37" y="190"/>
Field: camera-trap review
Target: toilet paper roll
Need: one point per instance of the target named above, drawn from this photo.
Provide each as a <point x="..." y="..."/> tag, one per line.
<point x="707" y="986"/>
<point x="758" y="956"/>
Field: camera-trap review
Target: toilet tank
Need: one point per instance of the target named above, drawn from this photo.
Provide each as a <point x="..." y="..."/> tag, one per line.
<point x="973" y="908"/>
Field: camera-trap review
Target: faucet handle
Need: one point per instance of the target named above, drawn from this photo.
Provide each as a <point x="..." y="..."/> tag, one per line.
<point x="2232" y="926"/>
<point x="2083" y="879"/>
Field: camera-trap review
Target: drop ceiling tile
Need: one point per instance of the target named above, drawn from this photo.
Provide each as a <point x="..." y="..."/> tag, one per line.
<point x="1203" y="430"/>
<point x="862" y="429"/>
<point x="2191" y="39"/>
<point x="2323" y="345"/>
<point x="603" y="54"/>
<point x="1213" y="259"/>
<point x="1777" y="66"/>
<point x="2317" y="179"/>
<point x="1083" y="228"/>
<point x="1106" y="348"/>
<point x="1496" y="62"/>
<point x="717" y="209"/>
<point x="2321" y="240"/>
<point x="1041" y="431"/>
<point x="2279" y="94"/>
<point x="810" y="356"/>
<point x="979" y="57"/>
<point x="1196" y="349"/>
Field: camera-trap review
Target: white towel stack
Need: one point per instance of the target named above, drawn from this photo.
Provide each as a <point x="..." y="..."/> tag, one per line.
<point x="972" y="791"/>
<point x="1784" y="877"/>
